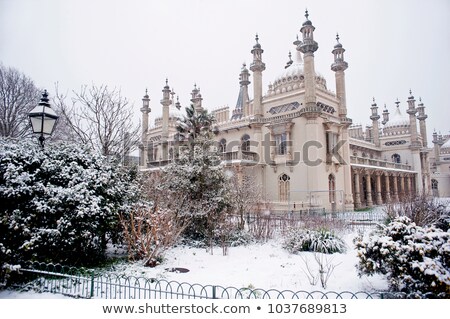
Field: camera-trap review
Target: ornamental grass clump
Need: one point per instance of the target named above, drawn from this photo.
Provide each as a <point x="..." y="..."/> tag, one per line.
<point x="322" y="241"/>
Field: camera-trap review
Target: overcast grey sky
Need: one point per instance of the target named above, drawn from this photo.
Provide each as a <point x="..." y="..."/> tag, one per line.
<point x="392" y="46"/>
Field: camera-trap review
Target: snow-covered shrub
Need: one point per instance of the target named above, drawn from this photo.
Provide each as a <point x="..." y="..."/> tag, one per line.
<point x="198" y="179"/>
<point x="60" y="203"/>
<point x="323" y="241"/>
<point x="415" y="259"/>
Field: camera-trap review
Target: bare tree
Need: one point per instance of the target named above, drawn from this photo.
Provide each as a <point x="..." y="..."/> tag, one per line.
<point x="18" y="95"/>
<point x="100" y="117"/>
<point x="246" y="194"/>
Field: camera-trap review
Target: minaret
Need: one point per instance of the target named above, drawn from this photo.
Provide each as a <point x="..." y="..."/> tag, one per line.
<point x="242" y="102"/>
<point x="385" y="115"/>
<point x="375" y="128"/>
<point x="412" y="120"/>
<point x="339" y="66"/>
<point x="166" y="102"/>
<point x="257" y="67"/>
<point x="145" y="111"/>
<point x="438" y="142"/>
<point x="196" y="99"/>
<point x="308" y="46"/>
<point x="423" y="126"/>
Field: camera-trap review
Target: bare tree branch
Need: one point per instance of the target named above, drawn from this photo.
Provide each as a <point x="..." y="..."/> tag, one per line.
<point x="102" y="118"/>
<point x="18" y="95"/>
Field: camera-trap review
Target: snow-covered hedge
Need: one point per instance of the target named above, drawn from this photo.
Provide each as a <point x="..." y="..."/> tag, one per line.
<point x="415" y="259"/>
<point x="323" y="241"/>
<point x="59" y="204"/>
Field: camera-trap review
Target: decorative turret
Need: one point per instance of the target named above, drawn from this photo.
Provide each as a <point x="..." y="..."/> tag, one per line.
<point x="257" y="67"/>
<point x="178" y="104"/>
<point x="308" y="46"/>
<point x="438" y="141"/>
<point x="242" y="102"/>
<point x="385" y="115"/>
<point x="196" y="99"/>
<point x="339" y="66"/>
<point x="145" y="109"/>
<point x="375" y="128"/>
<point x="412" y="120"/>
<point x="288" y="63"/>
<point x="423" y="126"/>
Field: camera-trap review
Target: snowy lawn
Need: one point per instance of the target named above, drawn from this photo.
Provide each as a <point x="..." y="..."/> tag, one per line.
<point x="265" y="266"/>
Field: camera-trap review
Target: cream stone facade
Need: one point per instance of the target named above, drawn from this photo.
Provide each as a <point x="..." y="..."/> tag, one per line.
<point x="298" y="142"/>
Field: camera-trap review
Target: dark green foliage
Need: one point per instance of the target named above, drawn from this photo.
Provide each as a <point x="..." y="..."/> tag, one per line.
<point x="59" y="204"/>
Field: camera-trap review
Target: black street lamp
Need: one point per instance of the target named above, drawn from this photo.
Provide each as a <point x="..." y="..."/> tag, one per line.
<point x="43" y="119"/>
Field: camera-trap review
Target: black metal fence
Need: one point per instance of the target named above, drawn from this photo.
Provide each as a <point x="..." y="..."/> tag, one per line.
<point x="82" y="283"/>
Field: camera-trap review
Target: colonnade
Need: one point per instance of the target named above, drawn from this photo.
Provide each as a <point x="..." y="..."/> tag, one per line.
<point x="377" y="187"/>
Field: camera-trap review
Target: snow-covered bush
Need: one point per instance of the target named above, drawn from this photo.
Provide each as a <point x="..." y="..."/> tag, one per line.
<point x="415" y="259"/>
<point x="322" y="241"/>
<point x="60" y="203"/>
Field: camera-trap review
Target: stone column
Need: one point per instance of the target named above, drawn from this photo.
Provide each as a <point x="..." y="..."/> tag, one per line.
<point x="395" y="188"/>
<point x="379" y="199"/>
<point x="408" y="186"/>
<point x="357" y="190"/>
<point x="368" y="190"/>
<point x="388" y="188"/>
<point x="402" y="187"/>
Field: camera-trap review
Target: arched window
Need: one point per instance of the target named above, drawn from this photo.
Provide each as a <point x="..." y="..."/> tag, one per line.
<point x="283" y="187"/>
<point x="222" y="145"/>
<point x="396" y="158"/>
<point x="245" y="142"/>
<point x="434" y="184"/>
<point x="332" y="188"/>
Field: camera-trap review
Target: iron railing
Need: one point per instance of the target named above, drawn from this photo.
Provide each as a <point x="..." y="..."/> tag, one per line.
<point x="83" y="283"/>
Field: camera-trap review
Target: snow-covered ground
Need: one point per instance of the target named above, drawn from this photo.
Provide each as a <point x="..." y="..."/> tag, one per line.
<point x="265" y="266"/>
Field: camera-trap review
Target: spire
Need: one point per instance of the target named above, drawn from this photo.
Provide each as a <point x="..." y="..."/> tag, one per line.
<point x="177" y="104"/>
<point x="196" y="99"/>
<point x="339" y="63"/>
<point x="308" y="45"/>
<point x="374" y="108"/>
<point x="288" y="64"/>
<point x="257" y="51"/>
<point x="145" y="103"/>
<point x="243" y="98"/>
<point x="385" y="115"/>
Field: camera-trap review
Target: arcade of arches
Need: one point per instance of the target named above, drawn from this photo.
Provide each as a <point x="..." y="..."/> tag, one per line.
<point x="378" y="187"/>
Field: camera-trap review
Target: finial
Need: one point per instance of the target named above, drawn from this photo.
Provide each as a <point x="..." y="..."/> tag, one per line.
<point x="337" y="37"/>
<point x="306" y="14"/>
<point x="146" y="91"/>
<point x="257" y="38"/>
<point x="297" y="37"/>
<point x="410" y="92"/>
<point x="373" y="99"/>
<point x="167" y="81"/>
<point x="420" y="99"/>
<point x="195" y="86"/>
